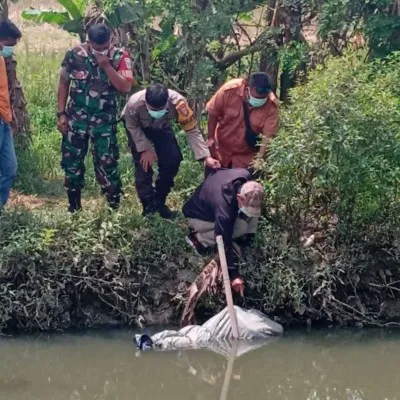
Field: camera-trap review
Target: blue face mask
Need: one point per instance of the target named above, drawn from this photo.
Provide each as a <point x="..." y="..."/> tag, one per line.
<point x="254" y="102"/>
<point x="7" y="51"/>
<point x="157" y="114"/>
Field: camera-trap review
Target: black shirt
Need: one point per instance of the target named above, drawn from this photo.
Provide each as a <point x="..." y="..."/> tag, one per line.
<point x="215" y="200"/>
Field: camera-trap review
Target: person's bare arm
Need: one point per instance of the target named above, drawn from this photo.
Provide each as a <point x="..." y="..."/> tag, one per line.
<point x="264" y="146"/>
<point x="62" y="94"/>
<point x="212" y="122"/>
<point x="271" y="127"/>
<point x="215" y="109"/>
<point x="62" y="98"/>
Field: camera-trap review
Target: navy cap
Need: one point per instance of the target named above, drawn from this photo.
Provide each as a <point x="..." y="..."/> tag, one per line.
<point x="260" y="81"/>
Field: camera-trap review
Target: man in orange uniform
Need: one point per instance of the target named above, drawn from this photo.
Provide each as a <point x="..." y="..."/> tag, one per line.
<point x="9" y="37"/>
<point x="239" y="111"/>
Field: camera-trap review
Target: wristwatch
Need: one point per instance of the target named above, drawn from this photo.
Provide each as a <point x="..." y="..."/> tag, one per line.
<point x="60" y="113"/>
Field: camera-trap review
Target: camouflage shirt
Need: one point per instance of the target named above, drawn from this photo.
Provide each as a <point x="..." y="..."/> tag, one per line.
<point x="92" y="97"/>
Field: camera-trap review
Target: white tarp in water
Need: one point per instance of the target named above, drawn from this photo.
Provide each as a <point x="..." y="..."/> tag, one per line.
<point x="254" y="328"/>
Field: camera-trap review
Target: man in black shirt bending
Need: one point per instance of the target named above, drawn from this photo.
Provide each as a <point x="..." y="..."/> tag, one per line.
<point x="227" y="203"/>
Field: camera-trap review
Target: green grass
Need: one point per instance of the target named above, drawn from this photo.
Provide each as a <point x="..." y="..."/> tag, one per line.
<point x="39" y="170"/>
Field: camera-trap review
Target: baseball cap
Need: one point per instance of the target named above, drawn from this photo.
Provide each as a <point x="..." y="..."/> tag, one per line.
<point x="252" y="194"/>
<point x="261" y="82"/>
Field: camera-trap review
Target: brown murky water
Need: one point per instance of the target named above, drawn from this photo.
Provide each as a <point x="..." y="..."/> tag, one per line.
<point x="326" y="365"/>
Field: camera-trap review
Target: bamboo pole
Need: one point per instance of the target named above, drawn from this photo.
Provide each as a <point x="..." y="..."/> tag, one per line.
<point x="227" y="285"/>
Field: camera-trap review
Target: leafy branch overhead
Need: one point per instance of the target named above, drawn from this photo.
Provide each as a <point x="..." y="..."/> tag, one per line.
<point x="195" y="45"/>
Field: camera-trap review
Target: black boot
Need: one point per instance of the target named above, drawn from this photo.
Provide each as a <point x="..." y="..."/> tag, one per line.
<point x="149" y="208"/>
<point x="164" y="210"/>
<point x="74" y="199"/>
<point x="113" y="201"/>
<point x="167" y="213"/>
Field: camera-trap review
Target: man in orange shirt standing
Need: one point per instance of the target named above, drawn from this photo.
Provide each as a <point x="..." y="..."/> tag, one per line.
<point x="9" y="36"/>
<point x="238" y="112"/>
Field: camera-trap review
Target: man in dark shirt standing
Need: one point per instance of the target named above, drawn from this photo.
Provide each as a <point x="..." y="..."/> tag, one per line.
<point x="227" y="203"/>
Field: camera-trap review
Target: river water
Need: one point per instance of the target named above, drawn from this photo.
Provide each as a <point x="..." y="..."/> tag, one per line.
<point x="336" y="364"/>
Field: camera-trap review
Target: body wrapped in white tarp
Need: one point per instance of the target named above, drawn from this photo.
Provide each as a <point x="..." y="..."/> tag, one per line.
<point x="254" y="329"/>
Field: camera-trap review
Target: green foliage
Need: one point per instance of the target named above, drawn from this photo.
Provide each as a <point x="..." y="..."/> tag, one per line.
<point x="121" y="12"/>
<point x="383" y="34"/>
<point x="340" y="19"/>
<point x="55" y="268"/>
<point x="71" y="19"/>
<point x="194" y="38"/>
<point x="337" y="155"/>
<point x="334" y="171"/>
<point x="293" y="56"/>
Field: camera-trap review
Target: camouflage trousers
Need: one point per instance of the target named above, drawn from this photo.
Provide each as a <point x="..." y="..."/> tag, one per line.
<point x="105" y="151"/>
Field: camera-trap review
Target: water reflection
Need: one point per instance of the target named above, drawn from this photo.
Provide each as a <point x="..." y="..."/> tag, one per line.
<point x="316" y="365"/>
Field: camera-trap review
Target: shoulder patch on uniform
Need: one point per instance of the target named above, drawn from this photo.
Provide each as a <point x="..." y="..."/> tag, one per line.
<point x="128" y="63"/>
<point x="183" y="109"/>
<point x="185" y="115"/>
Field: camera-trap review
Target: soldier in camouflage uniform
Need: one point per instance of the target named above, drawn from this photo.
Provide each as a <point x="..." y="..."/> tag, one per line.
<point x="91" y="75"/>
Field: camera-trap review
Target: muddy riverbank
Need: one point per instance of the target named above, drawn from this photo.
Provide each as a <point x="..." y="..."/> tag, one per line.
<point x="59" y="273"/>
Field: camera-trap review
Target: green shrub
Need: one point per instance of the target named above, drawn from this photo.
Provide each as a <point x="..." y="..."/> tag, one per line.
<point x="336" y="160"/>
<point x="334" y="173"/>
<point x="58" y="270"/>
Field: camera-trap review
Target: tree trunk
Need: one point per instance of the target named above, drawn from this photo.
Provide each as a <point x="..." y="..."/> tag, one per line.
<point x="20" y="124"/>
<point x="287" y="82"/>
<point x="269" y="64"/>
<point x="291" y="18"/>
<point x="4" y="9"/>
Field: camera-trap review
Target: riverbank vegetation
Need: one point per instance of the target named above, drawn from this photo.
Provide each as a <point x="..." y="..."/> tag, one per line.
<point x="327" y="250"/>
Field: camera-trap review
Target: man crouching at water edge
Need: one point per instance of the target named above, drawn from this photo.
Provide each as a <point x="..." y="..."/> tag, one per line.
<point x="147" y="118"/>
<point x="227" y="203"/>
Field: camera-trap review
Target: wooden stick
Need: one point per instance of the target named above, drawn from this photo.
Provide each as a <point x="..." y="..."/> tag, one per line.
<point x="227" y="285"/>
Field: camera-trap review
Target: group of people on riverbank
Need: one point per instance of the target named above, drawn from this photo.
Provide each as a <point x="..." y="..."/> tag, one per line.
<point x="242" y="117"/>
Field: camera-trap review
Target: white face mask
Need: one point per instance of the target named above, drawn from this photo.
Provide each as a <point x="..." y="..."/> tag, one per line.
<point x="244" y="211"/>
<point x="102" y="53"/>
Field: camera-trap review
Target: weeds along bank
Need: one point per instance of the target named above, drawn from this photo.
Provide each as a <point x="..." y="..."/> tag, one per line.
<point x="327" y="249"/>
